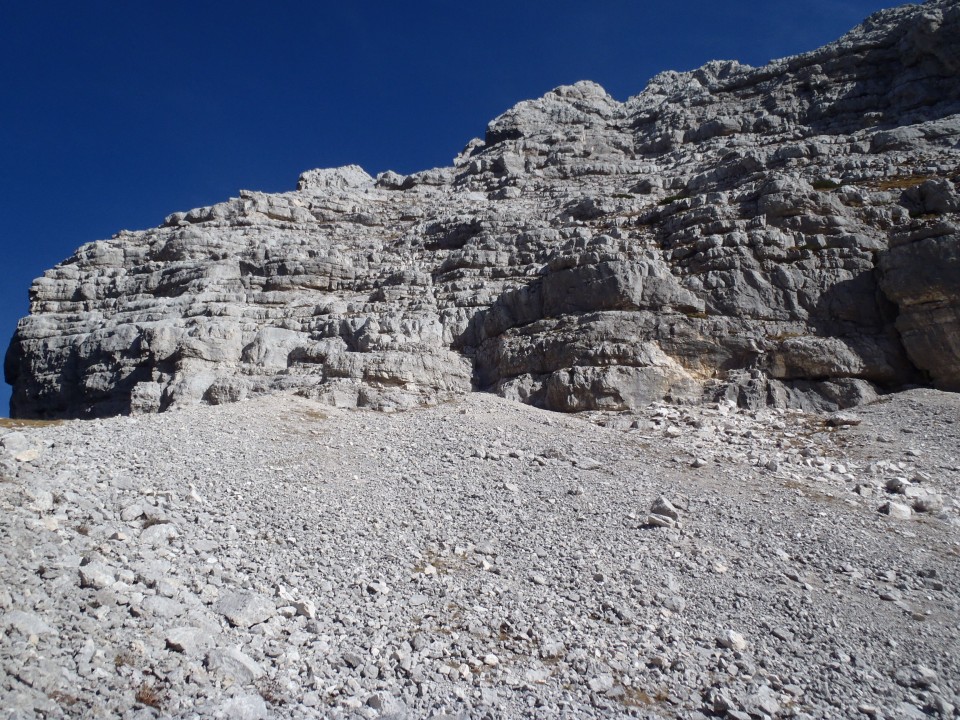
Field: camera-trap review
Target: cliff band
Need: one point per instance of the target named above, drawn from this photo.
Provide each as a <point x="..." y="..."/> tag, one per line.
<point x="786" y="235"/>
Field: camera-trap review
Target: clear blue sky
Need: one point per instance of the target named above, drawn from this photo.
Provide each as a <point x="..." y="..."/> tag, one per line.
<point x="115" y="114"/>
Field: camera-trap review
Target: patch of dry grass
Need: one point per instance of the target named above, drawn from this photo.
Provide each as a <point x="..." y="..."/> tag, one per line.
<point x="147" y="695"/>
<point x="899" y="182"/>
<point x="15" y="423"/>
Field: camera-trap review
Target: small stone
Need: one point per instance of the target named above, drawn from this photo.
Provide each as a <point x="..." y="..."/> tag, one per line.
<point x="536" y="676"/>
<point x="353" y="660"/>
<point x="663" y="507"/>
<point x="763" y="702"/>
<point x="158" y="534"/>
<point x="131" y="513"/>
<point x="732" y="640"/>
<point x="188" y="640"/>
<point x="245" y="707"/>
<point x="387" y="705"/>
<point x="40" y="501"/>
<point x="27" y="624"/>
<point x="924" y="677"/>
<point x="163" y="607"/>
<point x="675" y="603"/>
<point x="194" y="496"/>
<point x="15" y="442"/>
<point x="491" y="660"/>
<point x="911" y="491"/>
<point x="28" y="455"/>
<point x="231" y="663"/>
<point x="587" y="463"/>
<point x="8" y="469"/>
<point x="673" y="431"/>
<point x="602" y="683"/>
<point x="928" y="503"/>
<point x="842" y="419"/>
<point x="245" y="609"/>
<point x="942" y="707"/>
<point x="659" y="661"/>
<point x="655" y="520"/>
<point x="96" y="575"/>
<point x="485" y="548"/>
<point x="896" y="485"/>
<point x="306" y="608"/>
<point x="909" y="711"/>
<point x="377" y="587"/>
<point x="698" y="463"/>
<point x="782" y="634"/>
<point x="552" y="649"/>
<point x="897" y="511"/>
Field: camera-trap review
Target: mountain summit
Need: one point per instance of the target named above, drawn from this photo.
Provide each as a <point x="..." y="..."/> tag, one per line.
<point x="787" y="235"/>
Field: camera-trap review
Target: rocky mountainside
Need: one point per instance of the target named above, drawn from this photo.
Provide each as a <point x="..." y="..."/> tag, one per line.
<point x="784" y="235"/>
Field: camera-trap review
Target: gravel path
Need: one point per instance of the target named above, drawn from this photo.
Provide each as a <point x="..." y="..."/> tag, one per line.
<point x="279" y="558"/>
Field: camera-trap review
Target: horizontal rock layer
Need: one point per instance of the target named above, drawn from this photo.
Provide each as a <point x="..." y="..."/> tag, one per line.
<point x="781" y="235"/>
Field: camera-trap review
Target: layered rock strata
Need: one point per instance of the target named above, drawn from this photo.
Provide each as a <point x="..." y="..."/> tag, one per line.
<point x="782" y="235"/>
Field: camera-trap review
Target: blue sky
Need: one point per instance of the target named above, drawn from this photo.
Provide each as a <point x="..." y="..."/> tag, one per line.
<point x="115" y="114"/>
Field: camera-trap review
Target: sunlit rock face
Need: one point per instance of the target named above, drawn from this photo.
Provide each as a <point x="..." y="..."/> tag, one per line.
<point x="782" y="235"/>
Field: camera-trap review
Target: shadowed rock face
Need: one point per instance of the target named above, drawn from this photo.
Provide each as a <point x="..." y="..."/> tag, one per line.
<point x="781" y="235"/>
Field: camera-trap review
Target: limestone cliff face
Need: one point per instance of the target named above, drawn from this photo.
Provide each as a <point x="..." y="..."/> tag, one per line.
<point x="786" y="234"/>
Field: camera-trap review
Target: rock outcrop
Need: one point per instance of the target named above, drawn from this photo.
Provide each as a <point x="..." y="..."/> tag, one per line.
<point x="782" y="235"/>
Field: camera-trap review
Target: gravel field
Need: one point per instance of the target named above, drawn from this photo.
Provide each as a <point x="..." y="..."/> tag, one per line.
<point x="483" y="559"/>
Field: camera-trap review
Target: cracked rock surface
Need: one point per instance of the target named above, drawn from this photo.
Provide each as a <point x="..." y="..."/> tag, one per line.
<point x="482" y="558"/>
<point x="784" y="235"/>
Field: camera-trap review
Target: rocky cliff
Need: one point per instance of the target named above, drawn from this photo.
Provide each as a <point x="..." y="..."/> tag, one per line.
<point x="785" y="235"/>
